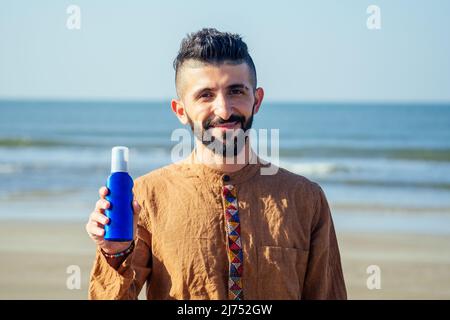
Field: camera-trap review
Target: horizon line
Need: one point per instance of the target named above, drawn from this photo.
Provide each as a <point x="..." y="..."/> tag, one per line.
<point x="280" y="101"/>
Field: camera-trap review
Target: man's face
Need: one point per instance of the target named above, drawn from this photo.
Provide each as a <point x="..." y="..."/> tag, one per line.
<point x="216" y="100"/>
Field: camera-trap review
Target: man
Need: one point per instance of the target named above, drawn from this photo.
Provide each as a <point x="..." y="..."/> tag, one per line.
<point x="207" y="228"/>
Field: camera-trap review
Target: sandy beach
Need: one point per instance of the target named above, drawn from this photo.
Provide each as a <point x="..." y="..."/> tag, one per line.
<point x="36" y="255"/>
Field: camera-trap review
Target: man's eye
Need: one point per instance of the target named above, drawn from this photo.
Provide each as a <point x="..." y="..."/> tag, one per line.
<point x="236" y="92"/>
<point x="206" y="95"/>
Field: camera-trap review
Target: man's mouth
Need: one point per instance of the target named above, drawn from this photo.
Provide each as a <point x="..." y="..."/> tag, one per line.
<point x="227" y="125"/>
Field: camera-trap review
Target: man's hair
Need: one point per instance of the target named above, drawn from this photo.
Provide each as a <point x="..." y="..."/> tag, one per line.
<point x="214" y="47"/>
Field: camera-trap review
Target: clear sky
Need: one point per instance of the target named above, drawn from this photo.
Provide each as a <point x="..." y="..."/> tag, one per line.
<point x="303" y="50"/>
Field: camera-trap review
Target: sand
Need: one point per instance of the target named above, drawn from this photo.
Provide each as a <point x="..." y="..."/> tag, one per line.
<point x="35" y="257"/>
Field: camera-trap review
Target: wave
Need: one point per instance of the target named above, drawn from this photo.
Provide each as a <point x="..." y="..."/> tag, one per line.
<point x="425" y="154"/>
<point x="91" y="142"/>
<point x="323" y="171"/>
<point x="7" y="168"/>
<point x="317" y="169"/>
<point x="373" y="172"/>
<point x="25" y="142"/>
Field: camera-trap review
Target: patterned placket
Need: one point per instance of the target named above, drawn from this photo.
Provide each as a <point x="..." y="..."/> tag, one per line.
<point x="235" y="256"/>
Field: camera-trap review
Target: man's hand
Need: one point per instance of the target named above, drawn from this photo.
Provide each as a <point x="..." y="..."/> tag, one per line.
<point x="95" y="227"/>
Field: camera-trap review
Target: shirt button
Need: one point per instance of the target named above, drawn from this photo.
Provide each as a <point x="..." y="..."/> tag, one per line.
<point x="226" y="178"/>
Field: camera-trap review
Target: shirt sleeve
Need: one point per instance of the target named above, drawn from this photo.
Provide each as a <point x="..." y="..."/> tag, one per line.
<point x="324" y="277"/>
<point x="125" y="283"/>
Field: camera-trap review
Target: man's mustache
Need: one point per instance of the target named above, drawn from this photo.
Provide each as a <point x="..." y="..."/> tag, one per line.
<point x="218" y="121"/>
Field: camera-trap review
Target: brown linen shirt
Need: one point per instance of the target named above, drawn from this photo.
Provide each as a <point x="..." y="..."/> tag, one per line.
<point x="289" y="244"/>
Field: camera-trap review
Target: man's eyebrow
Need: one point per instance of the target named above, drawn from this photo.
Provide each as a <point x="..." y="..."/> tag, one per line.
<point x="238" y="86"/>
<point x="232" y="86"/>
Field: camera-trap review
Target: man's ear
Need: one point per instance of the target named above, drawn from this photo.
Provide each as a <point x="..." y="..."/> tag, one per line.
<point x="178" y="109"/>
<point x="259" y="96"/>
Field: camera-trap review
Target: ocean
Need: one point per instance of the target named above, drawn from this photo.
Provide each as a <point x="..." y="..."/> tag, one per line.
<point x="383" y="167"/>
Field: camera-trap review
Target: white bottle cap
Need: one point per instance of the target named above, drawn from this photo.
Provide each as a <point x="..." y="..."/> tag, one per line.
<point x="119" y="159"/>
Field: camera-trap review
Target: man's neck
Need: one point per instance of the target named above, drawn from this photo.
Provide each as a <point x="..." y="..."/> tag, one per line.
<point x="216" y="161"/>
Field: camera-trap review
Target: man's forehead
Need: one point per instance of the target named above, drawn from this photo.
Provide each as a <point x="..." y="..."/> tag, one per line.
<point x="195" y="74"/>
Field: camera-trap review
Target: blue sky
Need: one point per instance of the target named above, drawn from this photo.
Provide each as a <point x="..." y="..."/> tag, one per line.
<point x="303" y="50"/>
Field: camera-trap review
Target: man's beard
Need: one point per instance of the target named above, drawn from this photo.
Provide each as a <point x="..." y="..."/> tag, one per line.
<point x="236" y="143"/>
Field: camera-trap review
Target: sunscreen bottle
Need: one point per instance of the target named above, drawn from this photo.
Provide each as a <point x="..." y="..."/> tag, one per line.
<point x="120" y="197"/>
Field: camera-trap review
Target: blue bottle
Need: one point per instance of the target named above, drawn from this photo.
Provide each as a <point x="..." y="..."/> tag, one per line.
<point x="120" y="197"/>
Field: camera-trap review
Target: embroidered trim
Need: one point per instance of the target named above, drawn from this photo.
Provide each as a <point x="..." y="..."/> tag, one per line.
<point x="235" y="255"/>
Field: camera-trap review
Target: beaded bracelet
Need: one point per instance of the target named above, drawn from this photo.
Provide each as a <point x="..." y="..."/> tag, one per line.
<point x="119" y="254"/>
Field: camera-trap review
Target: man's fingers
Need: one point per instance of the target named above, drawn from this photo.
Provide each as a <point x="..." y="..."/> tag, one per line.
<point x="97" y="231"/>
<point x="99" y="217"/>
<point x="94" y="230"/>
<point x="102" y="204"/>
<point x="103" y="192"/>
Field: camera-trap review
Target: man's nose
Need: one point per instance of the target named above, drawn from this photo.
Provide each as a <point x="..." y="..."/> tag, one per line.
<point x="222" y="107"/>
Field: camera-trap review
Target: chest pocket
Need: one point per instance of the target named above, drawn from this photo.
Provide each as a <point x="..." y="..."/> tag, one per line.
<point x="281" y="272"/>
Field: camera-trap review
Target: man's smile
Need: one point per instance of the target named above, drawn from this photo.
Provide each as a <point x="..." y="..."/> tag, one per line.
<point x="225" y="126"/>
